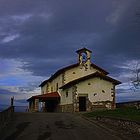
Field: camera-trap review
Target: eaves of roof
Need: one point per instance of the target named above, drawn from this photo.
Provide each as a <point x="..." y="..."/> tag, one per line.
<point x="83" y="49"/>
<point x="93" y="75"/>
<point x="69" y="67"/>
<point x="45" y="96"/>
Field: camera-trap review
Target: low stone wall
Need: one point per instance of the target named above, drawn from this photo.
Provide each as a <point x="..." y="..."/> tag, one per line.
<point x="67" y="108"/>
<point x="102" y="105"/>
<point x="134" y="104"/>
<point x="5" y="117"/>
<point x="128" y="125"/>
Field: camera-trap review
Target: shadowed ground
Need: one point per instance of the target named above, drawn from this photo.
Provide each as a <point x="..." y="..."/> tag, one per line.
<point x="55" y="126"/>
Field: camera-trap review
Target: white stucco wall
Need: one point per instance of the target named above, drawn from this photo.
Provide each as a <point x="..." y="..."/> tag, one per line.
<point x="70" y="75"/>
<point x="52" y="85"/>
<point x="54" y="82"/>
<point x="66" y="99"/>
<point x="43" y="89"/>
<point x="98" y="90"/>
<point x="78" y="72"/>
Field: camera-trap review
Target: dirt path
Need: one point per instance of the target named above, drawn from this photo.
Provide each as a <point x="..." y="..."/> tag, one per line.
<point x="55" y="126"/>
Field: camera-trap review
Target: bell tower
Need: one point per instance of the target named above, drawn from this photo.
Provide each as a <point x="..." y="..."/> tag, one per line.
<point x="84" y="56"/>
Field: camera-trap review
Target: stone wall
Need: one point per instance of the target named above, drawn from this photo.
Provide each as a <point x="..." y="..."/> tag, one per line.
<point x="5" y="117"/>
<point x="128" y="125"/>
<point x="67" y="108"/>
<point x="102" y="105"/>
<point x="135" y="104"/>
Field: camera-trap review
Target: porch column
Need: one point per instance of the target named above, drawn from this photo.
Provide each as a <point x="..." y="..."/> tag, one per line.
<point x="36" y="105"/>
<point x="31" y="106"/>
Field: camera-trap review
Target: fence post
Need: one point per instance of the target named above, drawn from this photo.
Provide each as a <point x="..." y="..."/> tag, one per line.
<point x="12" y="101"/>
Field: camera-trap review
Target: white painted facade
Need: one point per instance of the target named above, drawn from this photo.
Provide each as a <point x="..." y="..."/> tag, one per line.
<point x="69" y="75"/>
<point x="96" y="89"/>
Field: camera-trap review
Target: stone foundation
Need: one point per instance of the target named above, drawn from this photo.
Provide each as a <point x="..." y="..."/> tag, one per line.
<point x="67" y="108"/>
<point x="90" y="106"/>
<point x="102" y="105"/>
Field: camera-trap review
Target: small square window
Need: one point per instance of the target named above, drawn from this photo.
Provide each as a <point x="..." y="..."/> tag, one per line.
<point x="51" y="89"/>
<point x="95" y="94"/>
<point x="66" y="93"/>
<point x="89" y="83"/>
<point x="103" y="91"/>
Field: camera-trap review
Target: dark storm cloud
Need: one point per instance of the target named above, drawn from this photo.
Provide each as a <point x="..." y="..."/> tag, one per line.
<point x="5" y="92"/>
<point x="125" y="38"/>
<point x="50" y="31"/>
<point x="122" y="44"/>
<point x="8" y="7"/>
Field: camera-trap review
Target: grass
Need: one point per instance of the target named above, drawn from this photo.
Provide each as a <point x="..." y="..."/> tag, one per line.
<point x="123" y="113"/>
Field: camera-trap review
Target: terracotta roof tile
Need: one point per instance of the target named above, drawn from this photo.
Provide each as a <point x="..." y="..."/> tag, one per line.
<point x="45" y="96"/>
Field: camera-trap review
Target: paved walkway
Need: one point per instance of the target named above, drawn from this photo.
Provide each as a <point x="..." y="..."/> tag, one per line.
<point x="55" y="126"/>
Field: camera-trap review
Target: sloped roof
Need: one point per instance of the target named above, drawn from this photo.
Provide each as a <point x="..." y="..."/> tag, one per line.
<point x="83" y="49"/>
<point x="45" y="96"/>
<point x="69" y="67"/>
<point x="93" y="75"/>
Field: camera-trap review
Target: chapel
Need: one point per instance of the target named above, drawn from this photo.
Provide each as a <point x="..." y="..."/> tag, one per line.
<point x="82" y="86"/>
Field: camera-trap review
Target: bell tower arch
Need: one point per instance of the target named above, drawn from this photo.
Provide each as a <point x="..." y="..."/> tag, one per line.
<point x="84" y="56"/>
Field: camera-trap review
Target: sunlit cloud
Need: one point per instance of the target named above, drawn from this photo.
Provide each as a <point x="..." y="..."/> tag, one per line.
<point x="21" y="18"/>
<point x="10" y="38"/>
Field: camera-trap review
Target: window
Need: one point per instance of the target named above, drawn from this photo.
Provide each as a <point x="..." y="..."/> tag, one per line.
<point x="67" y="94"/>
<point x="56" y="86"/>
<point x="103" y="91"/>
<point x="95" y="94"/>
<point x="89" y="83"/>
<point x="46" y="88"/>
<point x="51" y="89"/>
<point x="84" y="57"/>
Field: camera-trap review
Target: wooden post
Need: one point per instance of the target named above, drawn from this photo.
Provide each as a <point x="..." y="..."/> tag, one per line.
<point x="12" y="101"/>
<point x="36" y="106"/>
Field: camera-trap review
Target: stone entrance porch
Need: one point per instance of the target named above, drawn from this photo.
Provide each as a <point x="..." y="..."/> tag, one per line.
<point x="50" y="102"/>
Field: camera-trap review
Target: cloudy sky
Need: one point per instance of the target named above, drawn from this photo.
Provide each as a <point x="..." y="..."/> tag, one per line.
<point x="37" y="37"/>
